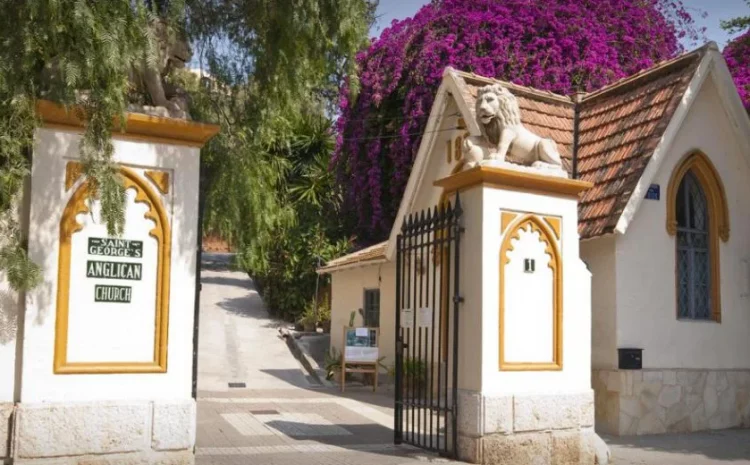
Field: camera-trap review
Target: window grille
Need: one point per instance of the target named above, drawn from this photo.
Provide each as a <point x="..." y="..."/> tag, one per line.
<point x="372" y="308"/>
<point x="693" y="253"/>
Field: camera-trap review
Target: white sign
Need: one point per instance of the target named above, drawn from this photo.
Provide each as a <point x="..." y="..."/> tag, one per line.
<point x="360" y="354"/>
<point x="424" y="317"/>
<point x="407" y="318"/>
<point x="362" y="332"/>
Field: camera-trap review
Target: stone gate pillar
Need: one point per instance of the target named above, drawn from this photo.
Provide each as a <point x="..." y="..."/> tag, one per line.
<point x="108" y="338"/>
<point x="524" y="358"/>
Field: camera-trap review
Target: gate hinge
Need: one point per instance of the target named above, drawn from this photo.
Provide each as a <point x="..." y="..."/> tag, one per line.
<point x="457" y="299"/>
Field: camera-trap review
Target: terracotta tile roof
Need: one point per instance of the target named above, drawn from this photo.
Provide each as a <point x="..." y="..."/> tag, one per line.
<point x="620" y="125"/>
<point x="619" y="128"/>
<point x="373" y="254"/>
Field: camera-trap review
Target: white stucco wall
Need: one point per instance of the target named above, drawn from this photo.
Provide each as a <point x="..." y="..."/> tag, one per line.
<point x="9" y="309"/>
<point x="53" y="149"/>
<point x="576" y="373"/>
<point x="599" y="255"/>
<point x="347" y="295"/>
<point x="645" y="259"/>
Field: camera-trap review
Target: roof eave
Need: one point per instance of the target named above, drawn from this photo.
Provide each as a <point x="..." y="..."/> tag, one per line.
<point x="711" y="63"/>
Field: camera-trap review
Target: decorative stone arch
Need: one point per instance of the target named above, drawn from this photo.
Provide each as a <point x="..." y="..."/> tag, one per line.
<point x="704" y="171"/>
<point x="549" y="233"/>
<point x="161" y="232"/>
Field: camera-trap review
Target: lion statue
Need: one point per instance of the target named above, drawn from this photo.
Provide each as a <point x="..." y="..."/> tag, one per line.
<point x="165" y="99"/>
<point x="499" y="119"/>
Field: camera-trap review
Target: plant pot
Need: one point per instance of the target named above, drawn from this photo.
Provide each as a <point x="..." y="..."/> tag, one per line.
<point x="309" y="327"/>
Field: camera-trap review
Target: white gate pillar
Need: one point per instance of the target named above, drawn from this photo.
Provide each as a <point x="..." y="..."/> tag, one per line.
<point x="524" y="363"/>
<point x="108" y="337"/>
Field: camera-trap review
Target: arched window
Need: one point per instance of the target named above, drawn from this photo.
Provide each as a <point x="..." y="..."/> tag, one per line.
<point x="693" y="252"/>
<point x="698" y="217"/>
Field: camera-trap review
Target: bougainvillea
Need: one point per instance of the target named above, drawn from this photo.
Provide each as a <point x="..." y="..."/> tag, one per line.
<point x="556" y="45"/>
<point x="737" y="54"/>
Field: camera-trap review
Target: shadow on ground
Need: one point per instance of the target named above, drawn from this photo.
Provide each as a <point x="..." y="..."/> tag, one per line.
<point x="719" y="446"/>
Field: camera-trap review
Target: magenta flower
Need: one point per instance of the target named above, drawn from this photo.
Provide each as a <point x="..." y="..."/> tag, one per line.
<point x="737" y="54"/>
<point x="555" y="45"/>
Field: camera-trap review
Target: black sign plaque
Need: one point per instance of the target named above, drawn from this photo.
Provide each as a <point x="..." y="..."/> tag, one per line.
<point x="116" y="294"/>
<point x="115" y="247"/>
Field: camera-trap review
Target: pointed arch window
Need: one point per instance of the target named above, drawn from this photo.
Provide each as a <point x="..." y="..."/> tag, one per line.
<point x="697" y="215"/>
<point x="693" y="252"/>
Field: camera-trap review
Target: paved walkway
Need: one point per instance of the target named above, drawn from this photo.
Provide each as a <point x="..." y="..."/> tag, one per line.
<point x="279" y="415"/>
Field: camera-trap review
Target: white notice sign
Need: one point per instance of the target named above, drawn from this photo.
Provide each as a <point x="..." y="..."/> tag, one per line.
<point x="362" y="332"/>
<point x="407" y="318"/>
<point x="424" y="317"/>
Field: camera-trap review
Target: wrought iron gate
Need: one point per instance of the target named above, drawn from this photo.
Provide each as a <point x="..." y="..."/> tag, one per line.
<point x="427" y="302"/>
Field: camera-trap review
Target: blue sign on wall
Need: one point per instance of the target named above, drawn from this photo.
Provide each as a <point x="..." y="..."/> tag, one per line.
<point x="654" y="192"/>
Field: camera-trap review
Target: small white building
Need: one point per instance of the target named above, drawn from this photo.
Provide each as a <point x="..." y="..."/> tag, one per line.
<point x="664" y="231"/>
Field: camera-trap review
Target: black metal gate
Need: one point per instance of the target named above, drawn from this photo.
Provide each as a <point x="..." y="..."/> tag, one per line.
<point x="427" y="302"/>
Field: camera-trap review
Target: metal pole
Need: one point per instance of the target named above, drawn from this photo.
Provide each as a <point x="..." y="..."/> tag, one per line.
<point x="198" y="259"/>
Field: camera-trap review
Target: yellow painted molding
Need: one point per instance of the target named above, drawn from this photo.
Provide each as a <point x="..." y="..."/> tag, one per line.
<point x="138" y="126"/>
<point x="506" y="218"/>
<point x="160" y="179"/>
<point x="161" y="232"/>
<point x="73" y="171"/>
<point x="546" y="235"/>
<point x="710" y="181"/>
<point x="718" y="219"/>
<point x="448" y="150"/>
<point x="554" y="223"/>
<point x="520" y="180"/>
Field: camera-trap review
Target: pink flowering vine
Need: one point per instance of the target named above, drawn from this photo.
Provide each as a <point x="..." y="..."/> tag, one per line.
<point x="737" y="54"/>
<point x="556" y="45"/>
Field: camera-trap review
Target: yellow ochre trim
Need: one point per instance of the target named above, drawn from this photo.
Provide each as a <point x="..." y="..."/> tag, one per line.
<point x="546" y="235"/>
<point x="138" y="126"/>
<point x="503" y="177"/>
<point x="718" y="219"/>
<point x="160" y="179"/>
<point x="448" y="152"/>
<point x="161" y="232"/>
<point x="506" y="218"/>
<point x="554" y="223"/>
<point x="73" y="171"/>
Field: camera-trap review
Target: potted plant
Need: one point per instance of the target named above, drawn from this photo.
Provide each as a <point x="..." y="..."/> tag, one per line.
<point x="308" y="320"/>
<point x="324" y="315"/>
<point x="332" y="363"/>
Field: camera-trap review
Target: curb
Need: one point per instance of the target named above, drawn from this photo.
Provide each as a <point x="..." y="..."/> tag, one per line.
<point x="310" y="365"/>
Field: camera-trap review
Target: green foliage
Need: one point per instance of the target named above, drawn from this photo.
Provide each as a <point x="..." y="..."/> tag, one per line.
<point x="75" y="52"/>
<point x="309" y="234"/>
<point x="273" y="70"/>
<point x="738" y="24"/>
<point x="332" y="363"/>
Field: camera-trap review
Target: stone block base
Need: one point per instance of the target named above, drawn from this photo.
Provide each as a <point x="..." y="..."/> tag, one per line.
<point x="105" y="433"/>
<point x="630" y="402"/>
<point x="6" y="417"/>
<point x="576" y="447"/>
<point x="137" y="458"/>
<point x="539" y="429"/>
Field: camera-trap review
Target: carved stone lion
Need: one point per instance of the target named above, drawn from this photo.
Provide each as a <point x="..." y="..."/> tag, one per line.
<point x="503" y="134"/>
<point x="173" y="52"/>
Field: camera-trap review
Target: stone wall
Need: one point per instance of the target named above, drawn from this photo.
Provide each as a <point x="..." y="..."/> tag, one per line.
<point x="528" y="429"/>
<point x="111" y="433"/>
<point x="635" y="402"/>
